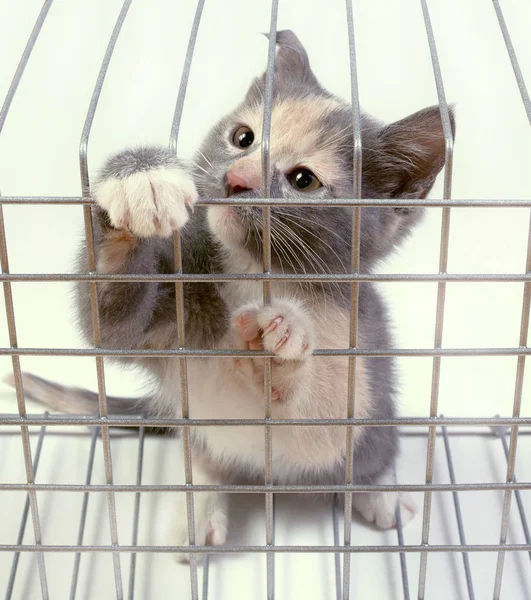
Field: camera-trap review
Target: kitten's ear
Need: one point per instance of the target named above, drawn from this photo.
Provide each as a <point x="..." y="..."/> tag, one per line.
<point x="409" y="155"/>
<point x="291" y="63"/>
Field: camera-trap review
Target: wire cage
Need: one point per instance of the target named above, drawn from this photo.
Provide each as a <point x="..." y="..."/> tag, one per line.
<point x="344" y="550"/>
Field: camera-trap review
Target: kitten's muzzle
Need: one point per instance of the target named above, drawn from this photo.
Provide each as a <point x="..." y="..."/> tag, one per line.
<point x="237" y="183"/>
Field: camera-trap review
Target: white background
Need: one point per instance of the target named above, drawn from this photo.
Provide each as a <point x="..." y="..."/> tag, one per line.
<point x="39" y="156"/>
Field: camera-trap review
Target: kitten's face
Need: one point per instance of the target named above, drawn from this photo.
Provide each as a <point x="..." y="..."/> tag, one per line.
<point x="311" y="157"/>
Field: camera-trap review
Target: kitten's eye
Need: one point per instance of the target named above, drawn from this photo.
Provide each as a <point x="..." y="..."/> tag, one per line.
<point x="304" y="180"/>
<point x="243" y="137"/>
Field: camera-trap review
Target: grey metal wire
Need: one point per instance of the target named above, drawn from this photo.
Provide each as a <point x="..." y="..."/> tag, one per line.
<point x="24" y="61"/>
<point x="292" y="277"/>
<point x="8" y="299"/>
<point x="502" y="434"/>
<point x="400" y="537"/>
<point x="24" y="518"/>
<point x="354" y="290"/>
<point x="136" y="514"/>
<point x="441" y="289"/>
<point x="458" y="515"/>
<point x="517" y="404"/>
<point x="266" y="251"/>
<point x="514" y="60"/>
<point x="261" y="549"/>
<point x="511" y="451"/>
<point x="68" y="420"/>
<point x="228" y="353"/>
<point x="337" y="556"/>
<point x="91" y="260"/>
<point x="236" y="201"/>
<point x="181" y="353"/>
<point x="278" y="488"/>
<point x="83" y="516"/>
<point x="21" y="405"/>
<point x="179" y="303"/>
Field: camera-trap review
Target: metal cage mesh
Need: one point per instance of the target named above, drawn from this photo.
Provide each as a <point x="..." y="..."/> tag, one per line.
<point x="506" y="429"/>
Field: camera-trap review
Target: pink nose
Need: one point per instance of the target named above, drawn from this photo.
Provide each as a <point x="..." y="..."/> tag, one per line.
<point x="240" y="183"/>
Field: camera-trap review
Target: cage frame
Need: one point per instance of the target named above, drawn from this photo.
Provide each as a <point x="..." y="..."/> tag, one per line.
<point x="436" y="424"/>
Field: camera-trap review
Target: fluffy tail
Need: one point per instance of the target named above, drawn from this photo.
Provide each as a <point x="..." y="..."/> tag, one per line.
<point x="72" y="400"/>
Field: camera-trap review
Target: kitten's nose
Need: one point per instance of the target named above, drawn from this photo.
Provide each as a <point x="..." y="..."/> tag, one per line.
<point x="238" y="183"/>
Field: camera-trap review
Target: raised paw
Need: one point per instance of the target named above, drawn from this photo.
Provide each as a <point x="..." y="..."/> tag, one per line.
<point x="380" y="507"/>
<point x="282" y="328"/>
<point x="145" y="196"/>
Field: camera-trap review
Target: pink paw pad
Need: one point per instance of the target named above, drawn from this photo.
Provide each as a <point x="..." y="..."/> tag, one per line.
<point x="246" y="323"/>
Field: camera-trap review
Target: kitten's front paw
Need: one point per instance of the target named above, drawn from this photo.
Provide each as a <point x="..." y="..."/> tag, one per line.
<point x="282" y="328"/>
<point x="146" y="199"/>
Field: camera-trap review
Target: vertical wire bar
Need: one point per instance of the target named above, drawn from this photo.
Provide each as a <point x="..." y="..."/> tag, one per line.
<point x="517" y="404"/>
<point x="403" y="561"/>
<point x="17" y="373"/>
<point x="83" y="517"/>
<point x="206" y="570"/>
<point x="8" y="298"/>
<point x="511" y="450"/>
<point x="501" y="433"/>
<point x="136" y="515"/>
<point x="514" y="61"/>
<point x="266" y="249"/>
<point x="91" y="257"/>
<point x="441" y="290"/>
<point x="25" y="512"/>
<point x="337" y="556"/>
<point x="179" y="304"/>
<point x="354" y="292"/>
<point x="458" y="515"/>
<point x="23" y="62"/>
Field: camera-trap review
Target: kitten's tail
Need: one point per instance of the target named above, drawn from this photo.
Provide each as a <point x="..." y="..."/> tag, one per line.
<point x="72" y="400"/>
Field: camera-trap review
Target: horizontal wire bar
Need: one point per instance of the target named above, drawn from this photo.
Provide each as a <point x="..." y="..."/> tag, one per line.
<point x="293" y="277"/>
<point x="264" y="549"/>
<point x="119" y="434"/>
<point x="232" y="353"/>
<point x="260" y="489"/>
<point x="15" y="420"/>
<point x="237" y="201"/>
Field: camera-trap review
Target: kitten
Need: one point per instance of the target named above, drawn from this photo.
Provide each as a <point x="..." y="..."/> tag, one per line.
<point x="143" y="195"/>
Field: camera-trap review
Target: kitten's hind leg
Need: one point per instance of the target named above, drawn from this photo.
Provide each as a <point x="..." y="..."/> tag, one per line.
<point x="380" y="507"/>
<point x="210" y="512"/>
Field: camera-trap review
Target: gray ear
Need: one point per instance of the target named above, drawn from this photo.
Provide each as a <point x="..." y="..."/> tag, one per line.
<point x="409" y="155"/>
<point x="292" y="65"/>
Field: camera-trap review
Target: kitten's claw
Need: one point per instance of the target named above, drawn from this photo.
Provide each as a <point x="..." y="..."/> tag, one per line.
<point x="282" y="328"/>
<point x="152" y="202"/>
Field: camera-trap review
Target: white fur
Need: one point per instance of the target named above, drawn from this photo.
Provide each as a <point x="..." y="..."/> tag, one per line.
<point x="148" y="203"/>
<point x="153" y="203"/>
<point x="285" y="328"/>
<point x="380" y="507"/>
<point x="210" y="514"/>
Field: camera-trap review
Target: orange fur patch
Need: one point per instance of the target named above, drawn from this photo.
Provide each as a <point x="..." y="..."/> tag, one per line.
<point x="115" y="250"/>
